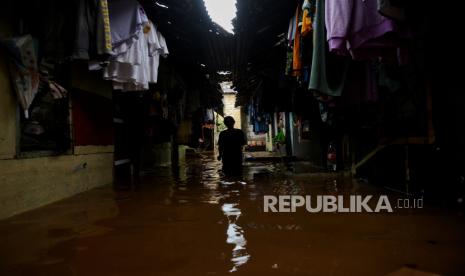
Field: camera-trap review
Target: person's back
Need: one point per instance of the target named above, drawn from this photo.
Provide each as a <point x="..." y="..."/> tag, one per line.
<point x="230" y="145"/>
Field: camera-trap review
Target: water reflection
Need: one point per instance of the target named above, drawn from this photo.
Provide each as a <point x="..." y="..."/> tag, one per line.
<point x="235" y="235"/>
<point x="210" y="180"/>
<point x="189" y="211"/>
<point x="219" y="189"/>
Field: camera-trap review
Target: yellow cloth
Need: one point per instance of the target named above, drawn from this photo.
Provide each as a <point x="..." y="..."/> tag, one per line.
<point x="306" y="23"/>
<point x="296" y="59"/>
<point x="106" y="25"/>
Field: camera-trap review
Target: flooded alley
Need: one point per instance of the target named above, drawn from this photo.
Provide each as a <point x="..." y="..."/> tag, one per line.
<point x="231" y="137"/>
<point x="199" y="222"/>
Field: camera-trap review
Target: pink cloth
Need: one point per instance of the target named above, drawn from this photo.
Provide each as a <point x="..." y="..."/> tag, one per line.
<point x="355" y="27"/>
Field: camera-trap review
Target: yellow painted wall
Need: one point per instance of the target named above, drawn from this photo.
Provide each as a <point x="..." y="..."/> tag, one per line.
<point x="7" y="112"/>
<point x="26" y="184"/>
<point x="7" y="99"/>
<point x="184" y="132"/>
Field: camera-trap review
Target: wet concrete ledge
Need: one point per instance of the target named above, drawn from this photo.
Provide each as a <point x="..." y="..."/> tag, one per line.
<point x="271" y="158"/>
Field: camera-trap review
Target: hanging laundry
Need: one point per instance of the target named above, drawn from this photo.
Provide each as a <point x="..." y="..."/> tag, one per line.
<point x="24" y="69"/>
<point x="361" y="85"/>
<point x="127" y="20"/>
<point x="305" y="74"/>
<point x="356" y="28"/>
<point x="296" y="58"/>
<point x="388" y="9"/>
<point x="137" y="46"/>
<point x="258" y="119"/>
<point x="289" y="62"/>
<point x="291" y="31"/>
<point x="326" y="112"/>
<point x="135" y="69"/>
<point x="306" y="18"/>
<point x="328" y="72"/>
<point x="93" y="37"/>
<point x="208" y="116"/>
<point x="291" y="34"/>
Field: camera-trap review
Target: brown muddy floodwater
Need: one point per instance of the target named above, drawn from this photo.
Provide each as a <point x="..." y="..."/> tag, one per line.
<point x="200" y="223"/>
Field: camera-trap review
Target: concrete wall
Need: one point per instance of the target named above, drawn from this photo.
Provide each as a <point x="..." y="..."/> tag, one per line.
<point x="309" y="149"/>
<point x="26" y="184"/>
<point x="229" y="102"/>
<point x="161" y="154"/>
<point x="8" y="121"/>
<point x="305" y="149"/>
<point x="269" y="138"/>
<point x="184" y="132"/>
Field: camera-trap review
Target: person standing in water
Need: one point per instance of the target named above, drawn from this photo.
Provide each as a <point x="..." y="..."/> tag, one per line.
<point x="230" y="145"/>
